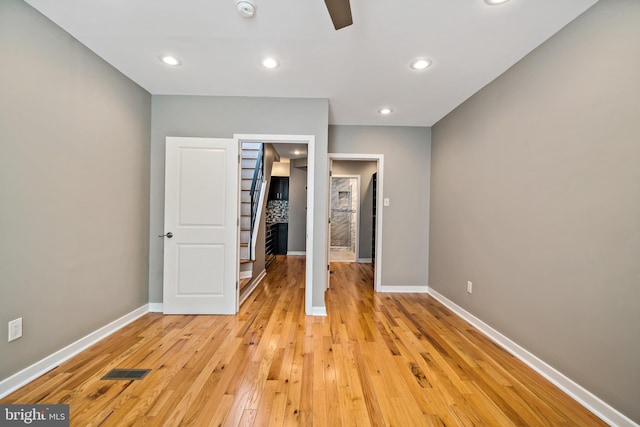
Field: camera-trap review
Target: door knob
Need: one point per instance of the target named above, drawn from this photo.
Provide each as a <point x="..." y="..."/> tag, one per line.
<point x="168" y="235"/>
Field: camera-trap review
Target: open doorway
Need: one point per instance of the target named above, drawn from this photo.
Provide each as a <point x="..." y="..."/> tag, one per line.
<point x="344" y="218"/>
<point x="309" y="142"/>
<point x="286" y="202"/>
<point x="355" y="211"/>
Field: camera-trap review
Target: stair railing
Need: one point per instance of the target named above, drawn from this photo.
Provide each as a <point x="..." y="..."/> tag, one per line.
<point x="258" y="177"/>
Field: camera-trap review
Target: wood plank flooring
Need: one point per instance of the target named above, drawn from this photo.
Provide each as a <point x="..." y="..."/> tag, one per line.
<point x="376" y="359"/>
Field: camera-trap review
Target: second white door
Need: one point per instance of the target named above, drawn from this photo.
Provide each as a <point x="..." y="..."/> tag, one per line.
<point x="201" y="214"/>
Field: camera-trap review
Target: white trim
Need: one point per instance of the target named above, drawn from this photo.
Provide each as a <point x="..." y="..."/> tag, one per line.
<point x="319" y="311"/>
<point x="417" y="289"/>
<point x="155" y="307"/>
<point x="581" y="395"/>
<point x="253" y="285"/>
<point x="247" y="274"/>
<point x="39" y="368"/>
<point x="365" y="260"/>
<point x="377" y="281"/>
<point x="310" y="140"/>
<point x="296" y="253"/>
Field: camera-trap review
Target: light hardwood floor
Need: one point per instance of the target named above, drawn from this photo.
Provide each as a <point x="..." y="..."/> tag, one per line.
<point x="376" y="359"/>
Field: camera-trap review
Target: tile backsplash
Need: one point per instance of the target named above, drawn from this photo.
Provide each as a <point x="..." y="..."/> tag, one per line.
<point x="277" y="211"/>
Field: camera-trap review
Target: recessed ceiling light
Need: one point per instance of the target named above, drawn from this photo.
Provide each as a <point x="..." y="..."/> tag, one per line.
<point x="495" y="2"/>
<point x="170" y="60"/>
<point x="420" y="64"/>
<point x="246" y="8"/>
<point x="385" y="111"/>
<point x="296" y="152"/>
<point x="270" y="63"/>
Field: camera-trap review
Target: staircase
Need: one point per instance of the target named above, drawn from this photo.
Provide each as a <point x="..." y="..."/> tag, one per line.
<point x="252" y="179"/>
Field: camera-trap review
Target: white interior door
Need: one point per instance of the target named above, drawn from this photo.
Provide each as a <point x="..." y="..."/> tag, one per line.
<point x="201" y="213"/>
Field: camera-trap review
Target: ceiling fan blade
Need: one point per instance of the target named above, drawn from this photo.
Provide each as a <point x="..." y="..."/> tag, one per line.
<point x="340" y="12"/>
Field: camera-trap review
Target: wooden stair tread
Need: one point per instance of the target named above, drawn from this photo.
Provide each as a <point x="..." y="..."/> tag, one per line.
<point x="247" y="261"/>
<point x="244" y="283"/>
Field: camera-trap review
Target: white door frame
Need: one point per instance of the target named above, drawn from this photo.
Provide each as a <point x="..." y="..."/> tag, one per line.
<point x="310" y="141"/>
<point x="357" y="242"/>
<point x="379" y="158"/>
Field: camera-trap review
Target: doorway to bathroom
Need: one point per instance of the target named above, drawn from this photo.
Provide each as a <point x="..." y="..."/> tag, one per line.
<point x="345" y="218"/>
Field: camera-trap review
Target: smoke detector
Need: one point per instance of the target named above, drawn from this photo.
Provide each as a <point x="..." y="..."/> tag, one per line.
<point x="246" y="8"/>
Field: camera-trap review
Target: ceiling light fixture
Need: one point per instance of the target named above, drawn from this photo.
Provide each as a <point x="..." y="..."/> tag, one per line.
<point x="170" y="60"/>
<point x="420" y="64"/>
<point x="385" y="111"/>
<point x="296" y="152"/>
<point x="495" y="2"/>
<point x="270" y="63"/>
<point x="246" y="8"/>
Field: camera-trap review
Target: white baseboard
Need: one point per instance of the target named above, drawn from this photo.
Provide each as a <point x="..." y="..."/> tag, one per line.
<point x="419" y="289"/>
<point x="318" y="311"/>
<point x="296" y="253"/>
<point x="364" y="260"/>
<point x="32" y="372"/>
<point x="155" y="307"/>
<point x="583" y="396"/>
<point x="253" y="286"/>
<point x="246" y="274"/>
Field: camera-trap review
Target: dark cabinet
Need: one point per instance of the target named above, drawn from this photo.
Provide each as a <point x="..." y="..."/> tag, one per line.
<point x="270" y="244"/>
<point x="279" y="188"/>
<point x="276" y="241"/>
<point x="281" y="238"/>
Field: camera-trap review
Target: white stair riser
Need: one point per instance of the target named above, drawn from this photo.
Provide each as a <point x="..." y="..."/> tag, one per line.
<point x="244" y="252"/>
<point x="250" y="154"/>
<point x="248" y="164"/>
<point x="252" y="145"/>
<point x="245" y="222"/>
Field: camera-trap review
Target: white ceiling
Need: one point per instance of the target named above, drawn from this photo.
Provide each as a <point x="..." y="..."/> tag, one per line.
<point x="359" y="68"/>
<point x="288" y="151"/>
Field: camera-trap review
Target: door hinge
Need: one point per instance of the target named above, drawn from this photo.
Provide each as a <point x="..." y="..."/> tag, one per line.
<point x="238" y="222"/>
<point x="329" y="220"/>
<point x="330" y="173"/>
<point x="328" y="267"/>
<point x="236" y="285"/>
<point x="238" y="158"/>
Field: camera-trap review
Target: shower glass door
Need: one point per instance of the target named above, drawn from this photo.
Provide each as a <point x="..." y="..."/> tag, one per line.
<point x="344" y="218"/>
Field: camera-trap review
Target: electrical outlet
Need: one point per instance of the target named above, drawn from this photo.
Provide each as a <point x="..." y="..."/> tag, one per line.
<point x="469" y="287"/>
<point x="15" y="329"/>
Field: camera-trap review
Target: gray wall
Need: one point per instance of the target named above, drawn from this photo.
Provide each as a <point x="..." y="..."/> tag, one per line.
<point x="407" y="152"/>
<point x="296" y="240"/>
<point x="222" y="117"/>
<point x="366" y="171"/>
<point x="74" y="188"/>
<point x="536" y="199"/>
